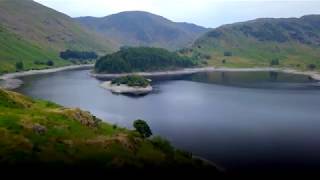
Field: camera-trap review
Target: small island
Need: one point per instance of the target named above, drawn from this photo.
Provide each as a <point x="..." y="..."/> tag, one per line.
<point x="131" y="84"/>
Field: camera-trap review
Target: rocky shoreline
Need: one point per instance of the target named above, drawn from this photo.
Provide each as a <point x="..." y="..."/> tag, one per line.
<point x="12" y="81"/>
<point x="313" y="74"/>
<point x="124" y="89"/>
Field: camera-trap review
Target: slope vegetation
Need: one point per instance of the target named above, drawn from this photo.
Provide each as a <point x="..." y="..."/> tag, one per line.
<point x="42" y="133"/>
<point x="292" y="42"/>
<point x="30" y="31"/>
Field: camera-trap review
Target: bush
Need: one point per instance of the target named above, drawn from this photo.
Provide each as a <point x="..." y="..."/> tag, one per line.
<point x="82" y="55"/>
<point x="163" y="144"/>
<point x="142" y="128"/>
<point x="312" y="66"/>
<point x="50" y="63"/>
<point x="227" y="53"/>
<point x="224" y="61"/>
<point x="274" y="62"/>
<point x="133" y="80"/>
<point x="19" y="66"/>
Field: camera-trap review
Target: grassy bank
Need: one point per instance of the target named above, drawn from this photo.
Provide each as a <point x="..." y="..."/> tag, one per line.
<point x="41" y="132"/>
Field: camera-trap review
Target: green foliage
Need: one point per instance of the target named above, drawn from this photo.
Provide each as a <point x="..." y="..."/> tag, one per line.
<point x="312" y="66"/>
<point x="274" y="62"/>
<point x="50" y="63"/>
<point x="227" y="53"/>
<point x="142" y="127"/>
<point x="163" y="144"/>
<point x="142" y="59"/>
<point x="256" y="43"/>
<point x="132" y="80"/>
<point x="19" y="66"/>
<point x="68" y="137"/>
<point x="81" y="55"/>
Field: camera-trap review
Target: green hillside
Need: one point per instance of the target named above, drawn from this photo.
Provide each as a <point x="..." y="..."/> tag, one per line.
<point x="138" y="28"/>
<point x="41" y="133"/>
<point x="31" y="32"/>
<point x="14" y="49"/>
<point x="293" y="42"/>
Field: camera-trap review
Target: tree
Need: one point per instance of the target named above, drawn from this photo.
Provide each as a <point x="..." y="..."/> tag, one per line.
<point x="312" y="66"/>
<point x="224" y="61"/>
<point x="81" y="55"/>
<point x="19" y="66"/>
<point x="142" y="59"/>
<point x="274" y="62"/>
<point x="50" y="63"/>
<point x="227" y="53"/>
<point x="142" y="128"/>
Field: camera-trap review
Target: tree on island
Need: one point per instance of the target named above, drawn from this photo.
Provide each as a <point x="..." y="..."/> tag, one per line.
<point x="142" y="128"/>
<point x="132" y="80"/>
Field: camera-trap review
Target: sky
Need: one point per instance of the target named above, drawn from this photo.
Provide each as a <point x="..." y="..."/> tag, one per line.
<point x="208" y="13"/>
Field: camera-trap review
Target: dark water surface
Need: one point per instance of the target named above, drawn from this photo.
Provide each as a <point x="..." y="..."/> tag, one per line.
<point x="239" y="120"/>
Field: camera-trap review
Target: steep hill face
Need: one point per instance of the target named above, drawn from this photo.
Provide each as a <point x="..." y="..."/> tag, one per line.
<point x="294" y="42"/>
<point x="47" y="27"/>
<point x="136" y="28"/>
<point x="34" y="34"/>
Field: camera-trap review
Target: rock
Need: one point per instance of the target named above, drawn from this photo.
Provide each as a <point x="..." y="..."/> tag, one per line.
<point x="37" y="128"/>
<point x="85" y="118"/>
<point x="124" y="89"/>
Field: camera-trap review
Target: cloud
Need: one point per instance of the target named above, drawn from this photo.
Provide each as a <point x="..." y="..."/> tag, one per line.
<point x="210" y="13"/>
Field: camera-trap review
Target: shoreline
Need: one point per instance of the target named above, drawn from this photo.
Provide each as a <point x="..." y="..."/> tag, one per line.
<point x="11" y="80"/>
<point x="313" y="74"/>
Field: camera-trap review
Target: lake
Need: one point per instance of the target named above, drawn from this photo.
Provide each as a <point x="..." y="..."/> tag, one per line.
<point x="239" y="120"/>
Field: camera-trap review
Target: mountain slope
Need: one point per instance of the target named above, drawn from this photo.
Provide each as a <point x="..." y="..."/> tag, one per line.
<point x="294" y="42"/>
<point x="136" y="28"/>
<point x="31" y="32"/>
<point x="44" y="134"/>
<point x="14" y="49"/>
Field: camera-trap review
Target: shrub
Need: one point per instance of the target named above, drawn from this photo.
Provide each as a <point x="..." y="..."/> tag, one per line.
<point x="312" y="66"/>
<point x="133" y="80"/>
<point x="82" y="55"/>
<point x="227" y="53"/>
<point x="142" y="128"/>
<point x="274" y="62"/>
<point x="19" y="66"/>
<point x="50" y="63"/>
<point x="163" y="144"/>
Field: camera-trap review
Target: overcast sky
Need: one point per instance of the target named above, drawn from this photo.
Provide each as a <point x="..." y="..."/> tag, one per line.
<point x="209" y="13"/>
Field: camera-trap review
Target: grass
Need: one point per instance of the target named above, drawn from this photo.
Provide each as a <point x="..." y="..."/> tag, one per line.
<point x="249" y="55"/>
<point x="248" y="50"/>
<point x="13" y="49"/>
<point x="75" y="137"/>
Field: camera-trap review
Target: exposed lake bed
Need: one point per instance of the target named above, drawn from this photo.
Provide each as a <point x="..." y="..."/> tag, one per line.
<point x="235" y="119"/>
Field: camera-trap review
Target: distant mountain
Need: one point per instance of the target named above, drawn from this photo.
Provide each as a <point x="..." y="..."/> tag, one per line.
<point x="136" y="28"/>
<point x="294" y="42"/>
<point x="32" y="32"/>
